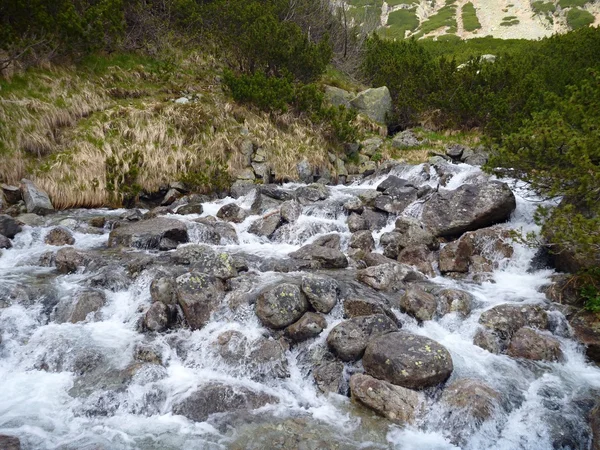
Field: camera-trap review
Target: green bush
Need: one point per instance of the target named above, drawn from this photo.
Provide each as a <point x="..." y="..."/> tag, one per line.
<point x="579" y="18"/>
<point x="469" y="16"/>
<point x="266" y="92"/>
<point x="571" y="3"/>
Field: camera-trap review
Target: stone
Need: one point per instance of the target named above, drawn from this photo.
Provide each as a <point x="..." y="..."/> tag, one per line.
<point x="322" y="292"/>
<point x="362" y="240"/>
<point x="472" y="397"/>
<point x="356" y="223"/>
<point x="204" y="259"/>
<point x="506" y="319"/>
<point x="389" y="276"/>
<point x="157" y="317"/>
<point x="290" y="211"/>
<point x="468" y="208"/>
<point x="12" y="194"/>
<point x="369" y="196"/>
<point x="245" y="174"/>
<point x="407" y="360"/>
<point x="232" y="212"/>
<point x="240" y="188"/>
<point x="198" y="295"/>
<point x="338" y="97"/>
<point x="69" y="260"/>
<point x="87" y="302"/>
<point x="363" y="306"/>
<point x="454" y="300"/>
<point x="5" y="242"/>
<point x="163" y="289"/>
<point x="489" y="341"/>
<point x="530" y="344"/>
<point x="418" y="256"/>
<point x="455" y="151"/>
<point x="280" y="306"/>
<point x="262" y="170"/>
<point x="33" y="220"/>
<point x="305" y="171"/>
<point x="310" y="325"/>
<point x="419" y="304"/>
<point x="586" y="329"/>
<point x="354" y="205"/>
<point x="325" y="257"/>
<point x="405" y="139"/>
<point x="412" y="233"/>
<point x="392" y="183"/>
<point x="329" y="377"/>
<point x="97" y="222"/>
<point x="375" y="220"/>
<point x="340" y="168"/>
<point x="266" y="226"/>
<point x="9" y="227"/>
<point x="397" y="202"/>
<point x="190" y="208"/>
<point x="348" y="339"/>
<point x="220" y="398"/>
<point x="148" y="234"/>
<point x="276" y="192"/>
<point x="370" y="146"/>
<point x="36" y="200"/>
<point x="594" y="425"/>
<point x="9" y="442"/>
<point x="312" y="193"/>
<point x="375" y="103"/>
<point x="395" y="403"/>
<point x="170" y="197"/>
<point x="59" y="236"/>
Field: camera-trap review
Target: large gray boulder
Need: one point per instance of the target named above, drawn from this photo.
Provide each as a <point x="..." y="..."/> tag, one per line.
<point x="470" y="207"/>
<point x="232" y="212"/>
<point x="204" y="259"/>
<point x="9" y="227"/>
<point x="506" y="319"/>
<point x="530" y="344"/>
<point x="322" y="291"/>
<point x="375" y="103"/>
<point x="472" y="397"/>
<point x="59" y="236"/>
<point x="397" y="404"/>
<point x="325" y="257"/>
<point x="309" y="326"/>
<point x="338" y="97"/>
<point x="280" y="306"/>
<point x="388" y="276"/>
<point x="408" y="360"/>
<point x="220" y="398"/>
<point x="198" y="295"/>
<point x="266" y="226"/>
<point x="349" y="338"/>
<point x="163" y="289"/>
<point x="419" y="304"/>
<point x="36" y="200"/>
<point x="158" y="233"/>
<point x="69" y="260"/>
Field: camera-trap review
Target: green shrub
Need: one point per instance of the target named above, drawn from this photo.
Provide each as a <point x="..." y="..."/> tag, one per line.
<point x="469" y="16"/>
<point x="571" y="3"/>
<point x="266" y="92"/>
<point x="402" y="21"/>
<point x="542" y="7"/>
<point x="579" y="18"/>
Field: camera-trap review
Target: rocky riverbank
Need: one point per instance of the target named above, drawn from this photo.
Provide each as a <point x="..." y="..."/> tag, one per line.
<point x="393" y="312"/>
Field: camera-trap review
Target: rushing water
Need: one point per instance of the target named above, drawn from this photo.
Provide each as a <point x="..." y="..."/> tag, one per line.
<point x="48" y="405"/>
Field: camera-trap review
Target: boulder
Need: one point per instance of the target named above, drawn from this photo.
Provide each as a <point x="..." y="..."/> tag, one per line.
<point x="266" y="226"/>
<point x="594" y="425"/>
<point x="506" y="319"/>
<point x="370" y="146"/>
<point x="349" y="338"/>
<point x="455" y="151"/>
<point x="5" y="242"/>
<point x="220" y="398"/>
<point x="454" y="300"/>
<point x="329" y="377"/>
<point x="163" y="289"/>
<point x="369" y="196"/>
<point x="397" y="404"/>
<point x="276" y="192"/>
<point x="170" y="197"/>
<point x="530" y="344"/>
<point x="312" y="193"/>
<point x="157" y="317"/>
<point x="9" y="442"/>
<point x="489" y="341"/>
<point x="33" y="220"/>
<point x="375" y="220"/>
<point x="472" y="397"/>
<point x="375" y="103"/>
<point x="332" y="240"/>
<point x="97" y="222"/>
<point x="243" y="187"/>
<point x="586" y="329"/>
<point x="354" y="205"/>
<point x="309" y="326"/>
<point x="36" y="200"/>
<point x="357" y="223"/>
<point x="389" y="276"/>
<point x="405" y="139"/>
<point x="322" y="292"/>
<point x="362" y="240"/>
<point x="86" y="302"/>
<point x="305" y="171"/>
<point x="280" y="306"/>
<point x="356" y="307"/>
<point x="420" y="257"/>
<point x="157" y="233"/>
<point x="412" y="232"/>
<point x="12" y="194"/>
<point x="338" y="97"/>
<point x="325" y="257"/>
<point x="190" y="208"/>
<point x="468" y="208"/>
<point x="203" y="258"/>
<point x="198" y="295"/>
<point x="419" y="304"/>
<point x="69" y="260"/>
<point x="407" y="360"/>
<point x="59" y="236"/>
<point x="232" y="212"/>
<point x="396" y="202"/>
<point x="9" y="227"/>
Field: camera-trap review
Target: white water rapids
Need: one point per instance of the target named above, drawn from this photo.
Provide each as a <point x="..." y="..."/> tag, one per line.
<point x="42" y="403"/>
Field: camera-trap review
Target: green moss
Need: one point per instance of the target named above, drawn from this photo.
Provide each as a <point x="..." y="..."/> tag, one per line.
<point x="579" y="18"/>
<point x="469" y="16"/>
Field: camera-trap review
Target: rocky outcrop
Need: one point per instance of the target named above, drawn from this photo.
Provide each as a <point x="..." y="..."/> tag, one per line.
<point x="280" y="306"/>
<point x="349" y="338"/>
<point x="397" y="404"/>
<point x="375" y="103"/>
<point x="158" y="233"/>
<point x="470" y="207"/>
<point x="407" y="360"/>
<point x="36" y="200"/>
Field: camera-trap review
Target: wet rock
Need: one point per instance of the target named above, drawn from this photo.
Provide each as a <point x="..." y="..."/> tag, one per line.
<point x="5" y="242"/>
<point x="530" y="344"/>
<point x="87" y="302"/>
<point x="12" y="194"/>
<point x="564" y="289"/>
<point x="329" y="377"/>
<point x="407" y="360"/>
<point x="356" y="307"/>
<point x="362" y="240"/>
<point x="36" y="200"/>
<point x="9" y="442"/>
<point x="455" y="151"/>
<point x="332" y="240"/>
<point x="170" y="197"/>
<point x="322" y="292"/>
<point x="470" y="207"/>
<point x="220" y="398"/>
<point x="280" y="306"/>
<point x="69" y="260"/>
<point x="242" y="187"/>
<point x="305" y="171"/>
<point x="391" y="182"/>
<point x="33" y="220"/>
<point x="59" y="236"/>
<point x="275" y="192"/>
<point x="405" y="139"/>
<point x="312" y="193"/>
<point x="472" y="397"/>
<point x="356" y="223"/>
<point x="97" y="222"/>
<point x="454" y="300"/>
<point x="198" y="295"/>
<point x="163" y="289"/>
<point x="349" y="338"/>
<point x="419" y="304"/>
<point x="9" y="226"/>
<point x="309" y="326"/>
<point x="148" y="234"/>
<point x="418" y="256"/>
<point x="190" y="208"/>
<point x="204" y="259"/>
<point x="266" y="226"/>
<point x="354" y="205"/>
<point x="506" y="319"/>
<point x="112" y="277"/>
<point x="290" y="211"/>
<point x="489" y="341"/>
<point x="412" y="232"/>
<point x="375" y="103"/>
<point x="268" y="358"/>
<point x="397" y="404"/>
<point x="368" y="197"/>
<point x="395" y="202"/>
<point x="375" y="220"/>
<point x="157" y="317"/>
<point x="232" y="213"/>
<point x="586" y="329"/>
<point x="389" y="276"/>
<point x="325" y="257"/>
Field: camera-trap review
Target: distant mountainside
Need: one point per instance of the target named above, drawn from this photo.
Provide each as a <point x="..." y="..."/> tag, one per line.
<point x="466" y="19"/>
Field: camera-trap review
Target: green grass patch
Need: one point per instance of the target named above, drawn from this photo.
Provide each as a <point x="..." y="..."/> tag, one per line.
<point x="579" y="18"/>
<point x="402" y="2"/>
<point x="363" y="3"/>
<point x="469" y="16"/>
<point x="509" y="21"/>
<point x="541" y="7"/>
<point x="445" y="17"/>
<point x="400" y="22"/>
<point x="572" y="3"/>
